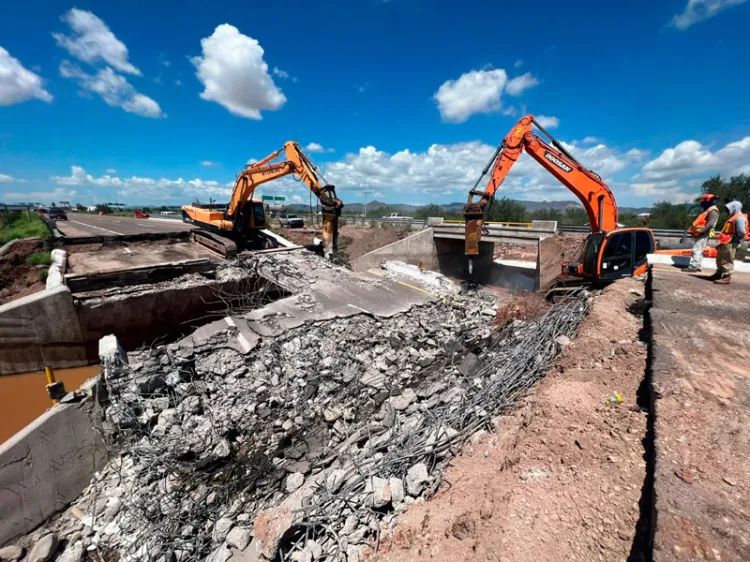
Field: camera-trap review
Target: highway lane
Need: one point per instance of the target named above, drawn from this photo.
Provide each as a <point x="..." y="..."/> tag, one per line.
<point x="82" y="224"/>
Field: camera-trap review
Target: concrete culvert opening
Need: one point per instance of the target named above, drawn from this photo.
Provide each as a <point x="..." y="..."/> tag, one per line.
<point x="145" y="314"/>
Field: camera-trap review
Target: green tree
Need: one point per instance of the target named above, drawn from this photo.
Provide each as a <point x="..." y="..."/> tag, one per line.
<point x="80" y="207"/>
<point x="667" y="215"/>
<point x="506" y="210"/>
<point x="103" y="208"/>
<point x="431" y="210"/>
<point x="547" y="214"/>
<point x="737" y="188"/>
<point x="575" y="216"/>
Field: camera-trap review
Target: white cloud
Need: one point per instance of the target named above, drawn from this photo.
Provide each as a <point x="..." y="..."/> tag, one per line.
<point x="475" y="92"/>
<point x="41" y="196"/>
<point x="283" y="74"/>
<point x="590" y="140"/>
<point x="114" y="89"/>
<point x="518" y="64"/>
<point x="92" y="41"/>
<point x="166" y="63"/>
<point x="700" y="10"/>
<point x="317" y="147"/>
<point x="635" y="154"/>
<point x="235" y="75"/>
<point x="209" y="164"/>
<point x="547" y="122"/>
<point x="5" y="178"/>
<point x="110" y="171"/>
<point x="178" y="82"/>
<point x="517" y="85"/>
<point x="17" y="84"/>
<point x="297" y="199"/>
<point x="690" y="158"/>
<point x="144" y="188"/>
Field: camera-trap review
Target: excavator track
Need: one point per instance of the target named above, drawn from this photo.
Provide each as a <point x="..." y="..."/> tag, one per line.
<point x="223" y="246"/>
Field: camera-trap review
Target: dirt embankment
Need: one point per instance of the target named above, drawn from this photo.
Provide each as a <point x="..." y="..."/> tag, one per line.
<point x="561" y="478"/>
<point x="355" y="241"/>
<point x="18" y="278"/>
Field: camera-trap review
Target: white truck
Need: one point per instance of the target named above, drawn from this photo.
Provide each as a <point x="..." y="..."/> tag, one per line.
<point x="397" y="217"/>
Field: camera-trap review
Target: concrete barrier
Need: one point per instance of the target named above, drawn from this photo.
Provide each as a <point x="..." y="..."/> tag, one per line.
<point x="45" y="466"/>
<point x="413" y="249"/>
<point x="41" y="329"/>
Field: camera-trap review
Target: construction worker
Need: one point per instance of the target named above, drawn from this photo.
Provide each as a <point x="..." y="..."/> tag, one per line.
<point x="703" y="229"/>
<point x="732" y="235"/>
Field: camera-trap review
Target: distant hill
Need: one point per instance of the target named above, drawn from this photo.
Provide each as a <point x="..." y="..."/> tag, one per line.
<point x="455" y="207"/>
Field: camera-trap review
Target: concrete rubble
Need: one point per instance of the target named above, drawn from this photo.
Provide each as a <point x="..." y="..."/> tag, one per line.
<point x="302" y="446"/>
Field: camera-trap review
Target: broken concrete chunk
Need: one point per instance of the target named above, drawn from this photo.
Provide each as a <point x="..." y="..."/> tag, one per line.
<point x="373" y="378"/>
<point x="397" y="490"/>
<point x="381" y="492"/>
<point x="222" y="528"/>
<point x="294" y="481"/>
<point x="401" y="403"/>
<point x="562" y="340"/>
<point x="11" y="552"/>
<point x="469" y="365"/>
<point x="44" y="549"/>
<point x="239" y="537"/>
<point x="416" y="478"/>
<point x="72" y="553"/>
<point x="332" y="414"/>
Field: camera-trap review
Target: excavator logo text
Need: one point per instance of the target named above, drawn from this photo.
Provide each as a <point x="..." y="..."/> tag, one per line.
<point x="557" y="162"/>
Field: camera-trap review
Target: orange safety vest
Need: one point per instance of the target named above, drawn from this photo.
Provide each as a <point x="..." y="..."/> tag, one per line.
<point x="727" y="233"/>
<point x="700" y="223"/>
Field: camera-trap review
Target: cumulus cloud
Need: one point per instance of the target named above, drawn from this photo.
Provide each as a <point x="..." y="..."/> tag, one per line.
<point x="5" y="178"/>
<point x="17" y="84"/>
<point x="519" y="84"/>
<point x="145" y="188"/>
<point x="475" y="92"/>
<point x="590" y="140"/>
<point x="110" y="171"/>
<point x="456" y="167"/>
<point x="113" y="88"/>
<point x="691" y="157"/>
<point x="92" y="41"/>
<point x="208" y="163"/>
<point x="547" y="122"/>
<point x="234" y="74"/>
<point x="700" y="10"/>
<point x="283" y="74"/>
<point x="319" y="148"/>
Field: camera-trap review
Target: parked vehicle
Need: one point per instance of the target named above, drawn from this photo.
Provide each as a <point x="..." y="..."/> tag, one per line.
<point x="57" y="214"/>
<point x="398" y="217"/>
<point x="140" y="214"/>
<point x="291" y="221"/>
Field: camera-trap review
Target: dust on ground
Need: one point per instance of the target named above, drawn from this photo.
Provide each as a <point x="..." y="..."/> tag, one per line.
<point x="18" y="278"/>
<point x="355" y="241"/>
<point x="561" y="478"/>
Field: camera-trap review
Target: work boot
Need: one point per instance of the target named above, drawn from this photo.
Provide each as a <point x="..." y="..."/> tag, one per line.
<point x="692" y="269"/>
<point x="723" y="280"/>
<point x="716" y="275"/>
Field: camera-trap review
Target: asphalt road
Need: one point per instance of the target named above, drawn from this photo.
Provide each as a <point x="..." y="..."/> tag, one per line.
<point x="81" y="224"/>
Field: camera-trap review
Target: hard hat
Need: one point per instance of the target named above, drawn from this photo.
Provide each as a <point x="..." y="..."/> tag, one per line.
<point x="708" y="197"/>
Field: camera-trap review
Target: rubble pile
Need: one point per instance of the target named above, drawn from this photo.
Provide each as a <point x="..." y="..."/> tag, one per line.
<point x="304" y="447"/>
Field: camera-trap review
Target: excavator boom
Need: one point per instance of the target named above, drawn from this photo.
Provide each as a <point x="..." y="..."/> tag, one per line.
<point x="593" y="193"/>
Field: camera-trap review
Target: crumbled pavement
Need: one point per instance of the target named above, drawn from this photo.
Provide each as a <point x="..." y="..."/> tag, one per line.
<point x="308" y="441"/>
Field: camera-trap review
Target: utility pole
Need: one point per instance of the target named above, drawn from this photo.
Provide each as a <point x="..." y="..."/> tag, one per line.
<point x="366" y="193"/>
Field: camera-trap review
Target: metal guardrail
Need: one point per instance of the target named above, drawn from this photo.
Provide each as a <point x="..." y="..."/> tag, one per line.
<point x="658" y="232"/>
<point x="517" y="224"/>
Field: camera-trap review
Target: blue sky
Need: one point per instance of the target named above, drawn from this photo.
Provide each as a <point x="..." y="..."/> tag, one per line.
<point x="163" y="102"/>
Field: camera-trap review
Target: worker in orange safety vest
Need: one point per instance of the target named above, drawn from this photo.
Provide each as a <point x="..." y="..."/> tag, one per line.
<point x="702" y="229"/>
<point x="735" y="231"/>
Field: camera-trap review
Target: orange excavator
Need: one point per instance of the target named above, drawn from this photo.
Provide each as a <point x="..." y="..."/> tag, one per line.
<point x="609" y="252"/>
<point x="243" y="222"/>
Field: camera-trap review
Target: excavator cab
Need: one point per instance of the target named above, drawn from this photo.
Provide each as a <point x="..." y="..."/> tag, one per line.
<point x="608" y="256"/>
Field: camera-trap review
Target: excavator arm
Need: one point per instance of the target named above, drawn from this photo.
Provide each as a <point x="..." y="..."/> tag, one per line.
<point x="593" y="193"/>
<point x="296" y="163"/>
